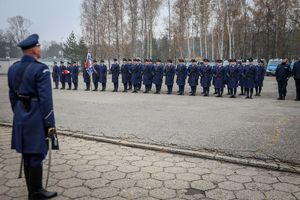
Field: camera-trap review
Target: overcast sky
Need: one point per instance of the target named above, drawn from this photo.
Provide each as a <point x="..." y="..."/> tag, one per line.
<point x="55" y="19"/>
<point x="52" y="19"/>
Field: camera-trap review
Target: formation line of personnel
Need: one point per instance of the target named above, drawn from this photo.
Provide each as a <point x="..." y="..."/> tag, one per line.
<point x="245" y="74"/>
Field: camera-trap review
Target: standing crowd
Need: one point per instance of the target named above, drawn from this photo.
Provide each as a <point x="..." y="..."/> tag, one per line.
<point x="244" y="74"/>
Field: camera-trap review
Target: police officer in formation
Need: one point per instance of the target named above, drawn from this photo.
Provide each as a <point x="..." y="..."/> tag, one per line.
<point x="169" y="73"/>
<point x="193" y="76"/>
<point x="282" y="73"/>
<point x="125" y="74"/>
<point x="296" y="74"/>
<point x="95" y="74"/>
<point x="219" y="78"/>
<point x="86" y="79"/>
<point x="136" y="73"/>
<point x="158" y="75"/>
<point x="74" y="75"/>
<point x="129" y="63"/>
<point x="102" y="71"/>
<point x="67" y="73"/>
<point x="55" y="74"/>
<point x="147" y="72"/>
<point x="260" y="76"/>
<point x="243" y="80"/>
<point x="30" y="95"/>
<point x="115" y="71"/>
<point x="206" y="76"/>
<point x="232" y="76"/>
<point x="62" y="77"/>
<point x="181" y="72"/>
<point x="249" y="74"/>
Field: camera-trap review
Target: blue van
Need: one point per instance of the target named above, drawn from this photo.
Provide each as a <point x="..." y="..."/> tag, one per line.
<point x="272" y="65"/>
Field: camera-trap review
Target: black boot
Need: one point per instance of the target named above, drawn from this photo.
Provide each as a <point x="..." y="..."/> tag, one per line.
<point x="36" y="187"/>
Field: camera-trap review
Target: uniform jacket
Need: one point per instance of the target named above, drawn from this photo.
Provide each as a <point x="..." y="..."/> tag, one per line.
<point x="296" y="70"/>
<point x="282" y="72"/>
<point x="169" y="72"/>
<point x="55" y="73"/>
<point x="206" y="75"/>
<point x="193" y="73"/>
<point x="102" y="71"/>
<point x="75" y="72"/>
<point x="232" y="74"/>
<point x="62" y="75"/>
<point x="115" y="71"/>
<point x="148" y="72"/>
<point x="30" y="125"/>
<point x="250" y="76"/>
<point x="219" y="76"/>
<point x="136" y="73"/>
<point x="260" y="75"/>
<point x="125" y="73"/>
<point x="158" y="74"/>
<point x="181" y="72"/>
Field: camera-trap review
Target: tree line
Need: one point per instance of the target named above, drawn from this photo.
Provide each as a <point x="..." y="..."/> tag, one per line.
<point x="192" y="29"/>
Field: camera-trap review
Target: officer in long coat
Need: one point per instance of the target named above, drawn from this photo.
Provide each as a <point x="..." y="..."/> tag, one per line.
<point x="125" y="74"/>
<point x="219" y="76"/>
<point x="158" y="75"/>
<point x="148" y="71"/>
<point x="242" y="78"/>
<point x="62" y="76"/>
<point x="193" y="76"/>
<point x="95" y="75"/>
<point x="102" y="71"/>
<point x="74" y="74"/>
<point x="129" y="63"/>
<point x="181" y="72"/>
<point x="68" y="76"/>
<point x="282" y="73"/>
<point x="30" y="95"/>
<point x="260" y="76"/>
<point x="86" y="79"/>
<point x="55" y="74"/>
<point x="232" y="73"/>
<point x="115" y="71"/>
<point x="206" y="76"/>
<point x="296" y="74"/>
<point x="213" y="78"/>
<point x="169" y="72"/>
<point x="135" y="71"/>
<point x="250" y="77"/>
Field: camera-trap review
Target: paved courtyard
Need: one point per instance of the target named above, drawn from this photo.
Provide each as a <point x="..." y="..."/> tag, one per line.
<point x="89" y="170"/>
<point x="262" y="128"/>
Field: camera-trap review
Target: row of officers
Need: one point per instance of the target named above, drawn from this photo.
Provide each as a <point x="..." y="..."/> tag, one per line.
<point x="134" y="73"/>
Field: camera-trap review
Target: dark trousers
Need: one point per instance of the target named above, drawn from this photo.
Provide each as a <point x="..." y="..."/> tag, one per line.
<point x="103" y="86"/>
<point x="206" y="91"/>
<point x="63" y="85"/>
<point x="33" y="160"/>
<point x="219" y="91"/>
<point x="95" y="86"/>
<point x="75" y="85"/>
<point x="249" y="92"/>
<point x="297" y="83"/>
<point x="258" y="90"/>
<point x="116" y="85"/>
<point x="181" y="89"/>
<point x="130" y="85"/>
<point x="170" y="88"/>
<point x="232" y="92"/>
<point x="88" y="85"/>
<point x="242" y="90"/>
<point x="125" y="86"/>
<point x="147" y="88"/>
<point x="158" y="88"/>
<point x="193" y="90"/>
<point x="56" y="84"/>
<point x="282" y="88"/>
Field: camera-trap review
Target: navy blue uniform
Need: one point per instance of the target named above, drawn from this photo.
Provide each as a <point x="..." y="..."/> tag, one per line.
<point x="86" y="79"/>
<point x="136" y="73"/>
<point x="206" y="76"/>
<point x="296" y="74"/>
<point x="232" y="74"/>
<point x="242" y="78"/>
<point x="125" y="76"/>
<point x="75" y="72"/>
<point x="181" y="72"/>
<point x="193" y="77"/>
<point x="95" y="76"/>
<point x="62" y="77"/>
<point x="169" y="72"/>
<point x="282" y="76"/>
<point x="55" y="75"/>
<point x="158" y="76"/>
<point x="115" y="71"/>
<point x="260" y="76"/>
<point x="102" y="71"/>
<point x="148" y="72"/>
<point x="31" y="121"/>
<point x="250" y="79"/>
<point x="219" y="77"/>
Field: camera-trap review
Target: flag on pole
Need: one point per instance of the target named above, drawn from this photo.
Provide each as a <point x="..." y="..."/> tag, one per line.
<point x="88" y="62"/>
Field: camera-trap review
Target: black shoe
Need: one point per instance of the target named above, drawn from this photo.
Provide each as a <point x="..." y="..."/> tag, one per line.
<point x="124" y="91"/>
<point x="180" y="93"/>
<point x="134" y="91"/>
<point x="146" y="92"/>
<point x="94" y="90"/>
<point x="279" y="98"/>
<point x="218" y="96"/>
<point x="74" y="89"/>
<point x="247" y="97"/>
<point x="241" y="94"/>
<point x="192" y="94"/>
